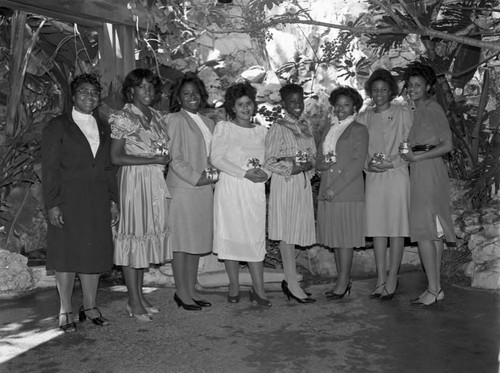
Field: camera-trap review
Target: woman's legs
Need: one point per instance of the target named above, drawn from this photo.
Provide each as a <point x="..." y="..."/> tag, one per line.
<point x="193" y="261"/>
<point x="290" y="270"/>
<point x="233" y="272"/>
<point x="131" y="276"/>
<point x="65" y="282"/>
<point x="395" y="257"/>
<point x="257" y="273"/>
<point x="430" y="255"/>
<point x="344" y="256"/>
<point x="140" y="282"/>
<point x="185" y="268"/>
<point x="379" y="251"/>
<point x="90" y="283"/>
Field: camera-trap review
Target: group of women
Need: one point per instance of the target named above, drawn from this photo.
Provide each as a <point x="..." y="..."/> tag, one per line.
<point x="213" y="196"/>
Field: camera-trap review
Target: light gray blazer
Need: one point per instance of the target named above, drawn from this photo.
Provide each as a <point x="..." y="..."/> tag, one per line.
<point x="188" y="150"/>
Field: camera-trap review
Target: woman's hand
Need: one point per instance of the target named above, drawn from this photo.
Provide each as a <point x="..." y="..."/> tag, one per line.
<point x="409" y="156"/>
<point x="163" y="159"/>
<point x="205" y="180"/>
<point x="56" y="217"/>
<point x="328" y="195"/>
<point x="115" y="213"/>
<point x="380" y="166"/>
<point x="256" y="175"/>
<point x="301" y="167"/>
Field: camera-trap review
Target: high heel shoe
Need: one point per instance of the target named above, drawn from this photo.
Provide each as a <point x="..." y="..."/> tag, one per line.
<point x="152" y="310"/>
<point x="389" y="296"/>
<point x="145" y="317"/>
<point x="202" y="303"/>
<point x="233" y="299"/>
<point x="187" y="307"/>
<point x="99" y="320"/>
<point x="346" y="293"/>
<point x="67" y="327"/>
<point x="254" y="297"/>
<point x="290" y="295"/>
<point x="440" y="295"/>
<point x="374" y="294"/>
<point x="286" y="283"/>
<point x="419" y="302"/>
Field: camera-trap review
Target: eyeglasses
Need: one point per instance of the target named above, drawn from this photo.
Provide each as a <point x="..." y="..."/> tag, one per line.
<point x="89" y="92"/>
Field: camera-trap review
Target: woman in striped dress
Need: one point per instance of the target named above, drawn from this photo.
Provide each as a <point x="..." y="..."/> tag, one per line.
<point x="290" y="154"/>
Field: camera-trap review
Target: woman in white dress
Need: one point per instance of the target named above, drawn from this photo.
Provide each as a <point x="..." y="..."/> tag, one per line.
<point x="238" y="148"/>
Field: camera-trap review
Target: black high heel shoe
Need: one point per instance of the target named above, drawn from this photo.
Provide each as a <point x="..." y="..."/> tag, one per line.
<point x="374" y="294"/>
<point x="346" y="293"/>
<point x="187" y="307"/>
<point x="254" y="297"/>
<point x="68" y="327"/>
<point x="99" y="320"/>
<point x="290" y="295"/>
<point x="389" y="296"/>
<point x="202" y="303"/>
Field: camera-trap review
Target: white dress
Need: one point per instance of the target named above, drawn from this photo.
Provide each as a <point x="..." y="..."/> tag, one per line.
<point x="239" y="204"/>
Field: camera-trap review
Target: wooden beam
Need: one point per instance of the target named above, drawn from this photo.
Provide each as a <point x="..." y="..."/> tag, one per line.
<point x="117" y="49"/>
<point x="87" y="12"/>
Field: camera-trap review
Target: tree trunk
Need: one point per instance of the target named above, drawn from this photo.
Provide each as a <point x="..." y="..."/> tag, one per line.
<point x="15" y="77"/>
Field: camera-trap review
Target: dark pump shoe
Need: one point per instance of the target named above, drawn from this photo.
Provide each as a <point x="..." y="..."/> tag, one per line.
<point x="202" y="303"/>
<point x="290" y="295"/>
<point x="187" y="307"/>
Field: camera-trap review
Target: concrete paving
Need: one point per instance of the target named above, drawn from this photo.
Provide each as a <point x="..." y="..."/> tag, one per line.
<point x="358" y="334"/>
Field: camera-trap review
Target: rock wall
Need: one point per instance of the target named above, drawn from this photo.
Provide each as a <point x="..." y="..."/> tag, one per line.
<point x="15" y="276"/>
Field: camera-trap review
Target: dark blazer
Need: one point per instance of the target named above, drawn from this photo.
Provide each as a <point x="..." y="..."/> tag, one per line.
<point x="83" y="187"/>
<point x="345" y="177"/>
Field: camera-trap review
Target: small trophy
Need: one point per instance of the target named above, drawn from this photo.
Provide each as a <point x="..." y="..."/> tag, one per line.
<point x="301" y="156"/>
<point x="404" y="148"/>
<point x="161" y="148"/>
<point x="331" y="157"/>
<point x="212" y="173"/>
<point x="378" y="158"/>
<point x="253" y="163"/>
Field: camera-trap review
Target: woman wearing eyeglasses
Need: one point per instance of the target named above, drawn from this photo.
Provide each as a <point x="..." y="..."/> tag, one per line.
<point x="80" y="194"/>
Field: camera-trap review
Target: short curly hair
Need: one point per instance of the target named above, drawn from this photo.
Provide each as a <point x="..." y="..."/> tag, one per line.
<point x="426" y="72"/>
<point x="84" y="78"/>
<point x="290" y="89"/>
<point x="237" y="91"/>
<point x="348" y="92"/>
<point x="135" y="78"/>
<point x="384" y="76"/>
<point x="189" y="77"/>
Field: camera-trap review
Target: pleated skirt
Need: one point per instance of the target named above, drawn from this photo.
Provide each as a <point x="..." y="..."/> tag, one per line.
<point x="341" y="224"/>
<point x="291" y="211"/>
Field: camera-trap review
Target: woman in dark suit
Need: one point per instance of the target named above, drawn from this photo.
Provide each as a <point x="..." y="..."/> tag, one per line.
<point x="191" y="210"/>
<point x="80" y="193"/>
<point x="341" y="208"/>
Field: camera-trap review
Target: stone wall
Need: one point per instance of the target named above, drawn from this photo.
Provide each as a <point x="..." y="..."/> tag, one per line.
<point x="484" y="245"/>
